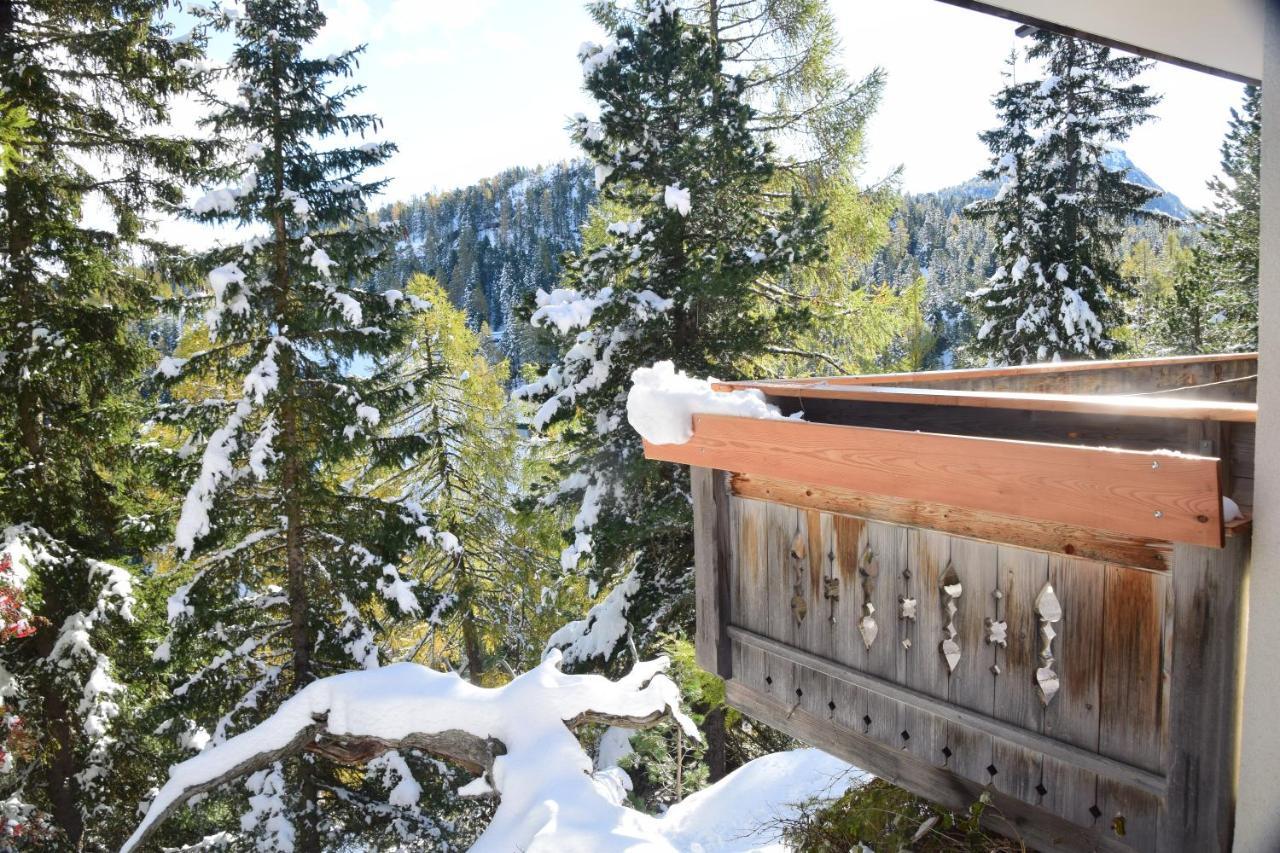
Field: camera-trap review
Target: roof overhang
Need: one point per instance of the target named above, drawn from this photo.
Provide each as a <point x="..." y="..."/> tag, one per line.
<point x="1222" y="37"/>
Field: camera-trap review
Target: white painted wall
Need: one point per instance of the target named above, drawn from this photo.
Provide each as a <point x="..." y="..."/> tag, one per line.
<point x="1258" y="803"/>
<point x="1223" y="34"/>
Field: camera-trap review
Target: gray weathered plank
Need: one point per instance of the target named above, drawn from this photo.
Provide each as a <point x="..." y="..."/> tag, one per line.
<point x="1073" y="715"/>
<point x="1007" y="816"/>
<point x="1204" y="715"/>
<point x="972" y="684"/>
<point x="1022" y="575"/>
<point x="713" y="541"/>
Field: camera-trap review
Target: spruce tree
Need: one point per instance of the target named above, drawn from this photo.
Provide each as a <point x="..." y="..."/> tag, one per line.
<point x="1053" y="294"/>
<point x="289" y="570"/>
<point x="677" y="277"/>
<point x="1231" y="231"/>
<point x="84" y="84"/>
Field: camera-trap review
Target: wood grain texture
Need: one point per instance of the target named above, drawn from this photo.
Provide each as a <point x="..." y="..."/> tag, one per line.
<point x="1074" y="714"/>
<point x="1151" y="554"/>
<point x="1118" y="376"/>
<point x="712" y="539"/>
<point x="1205" y="687"/>
<point x="1008" y="816"/>
<point x="1112" y="404"/>
<point x="1176" y="498"/>
<point x="1021" y="574"/>
<point x="1124" y="774"/>
<point x="972" y="684"/>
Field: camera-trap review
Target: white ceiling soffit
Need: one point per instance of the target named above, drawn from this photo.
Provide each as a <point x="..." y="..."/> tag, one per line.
<point x="1218" y="36"/>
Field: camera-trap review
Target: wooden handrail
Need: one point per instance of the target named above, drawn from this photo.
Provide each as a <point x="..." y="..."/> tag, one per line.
<point x="1111" y="404"/>
<point x="1164" y="496"/>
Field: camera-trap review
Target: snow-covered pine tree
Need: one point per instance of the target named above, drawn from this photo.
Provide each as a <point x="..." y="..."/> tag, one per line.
<point x="288" y="568"/>
<point x="1055" y="299"/>
<point x="804" y="100"/>
<point x="1007" y="298"/>
<point x="675" y="280"/>
<point x="84" y="84"/>
<point x="1231" y="231"/>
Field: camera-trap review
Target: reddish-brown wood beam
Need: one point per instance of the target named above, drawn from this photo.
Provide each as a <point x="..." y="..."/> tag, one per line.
<point x="1165" y="496"/>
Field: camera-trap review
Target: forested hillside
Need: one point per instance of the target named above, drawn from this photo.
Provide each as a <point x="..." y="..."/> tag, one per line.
<point x="497" y="241"/>
<point x="493" y="242"/>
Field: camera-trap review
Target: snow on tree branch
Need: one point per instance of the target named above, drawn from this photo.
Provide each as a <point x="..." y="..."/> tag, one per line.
<point x="519" y="735"/>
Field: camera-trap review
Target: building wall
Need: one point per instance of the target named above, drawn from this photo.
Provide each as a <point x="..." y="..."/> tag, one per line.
<point x="1258" y="811"/>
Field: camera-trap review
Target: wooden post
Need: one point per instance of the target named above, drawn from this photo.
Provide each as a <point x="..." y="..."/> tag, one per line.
<point x="711" y="535"/>
<point x="1205" y="714"/>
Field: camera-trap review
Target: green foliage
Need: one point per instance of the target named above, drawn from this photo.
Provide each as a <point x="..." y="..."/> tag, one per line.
<point x="1060" y="211"/>
<point x="287" y="571"/>
<point x="1227" y="266"/>
<point x="666" y="283"/>
<point x="14" y="123"/>
<point x="84" y="84"/>
<point x="496" y="601"/>
<point x="879" y="817"/>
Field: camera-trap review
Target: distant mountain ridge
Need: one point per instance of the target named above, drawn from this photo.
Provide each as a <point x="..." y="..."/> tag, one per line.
<point x="1115" y="159"/>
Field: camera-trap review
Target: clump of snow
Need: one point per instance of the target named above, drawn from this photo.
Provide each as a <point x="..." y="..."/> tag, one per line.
<point x="597" y="635"/>
<point x="677" y="198"/>
<point x="662" y="402"/>
<point x="1230" y="510"/>
<point x="566" y="308"/>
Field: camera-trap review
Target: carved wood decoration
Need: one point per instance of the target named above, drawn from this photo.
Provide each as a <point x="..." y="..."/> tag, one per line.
<point x="868" y="570"/>
<point x="951" y="591"/>
<point x="799" y="567"/>
<point x="1049" y="611"/>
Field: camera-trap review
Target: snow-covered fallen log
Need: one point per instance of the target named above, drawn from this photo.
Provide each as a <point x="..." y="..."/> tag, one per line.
<point x="521" y="737"/>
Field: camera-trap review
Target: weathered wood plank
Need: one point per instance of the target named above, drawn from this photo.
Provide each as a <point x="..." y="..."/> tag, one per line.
<point x="749" y="601"/>
<point x="1124" y="774"/>
<point x="1129" y="492"/>
<point x="972" y="684"/>
<point x="1132" y="697"/>
<point x="923" y="669"/>
<point x="1007" y="816"/>
<point x="1205" y="684"/>
<point x="1073" y="715"/>
<point x="1133" y="681"/>
<point x="990" y="527"/>
<point x="782" y="524"/>
<point x="1021" y="576"/>
<point x="713" y="538"/>
<point x="1114" y="376"/>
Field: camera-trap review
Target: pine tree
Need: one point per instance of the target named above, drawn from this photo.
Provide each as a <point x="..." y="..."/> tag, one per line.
<point x="1061" y="217"/>
<point x="84" y="83"/>
<point x="289" y="571"/>
<point x="792" y="75"/>
<point x="676" y="279"/>
<point x="1231" y="230"/>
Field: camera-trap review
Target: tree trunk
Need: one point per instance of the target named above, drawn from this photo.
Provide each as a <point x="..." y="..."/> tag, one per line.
<point x="716" y="757"/>
<point x="291" y="483"/>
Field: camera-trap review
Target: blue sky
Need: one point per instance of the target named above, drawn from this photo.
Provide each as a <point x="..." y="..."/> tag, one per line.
<point x="469" y="87"/>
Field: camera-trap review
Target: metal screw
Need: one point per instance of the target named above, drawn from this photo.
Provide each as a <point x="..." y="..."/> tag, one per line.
<point x="1155" y="465"/>
<point x="1159" y="514"/>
